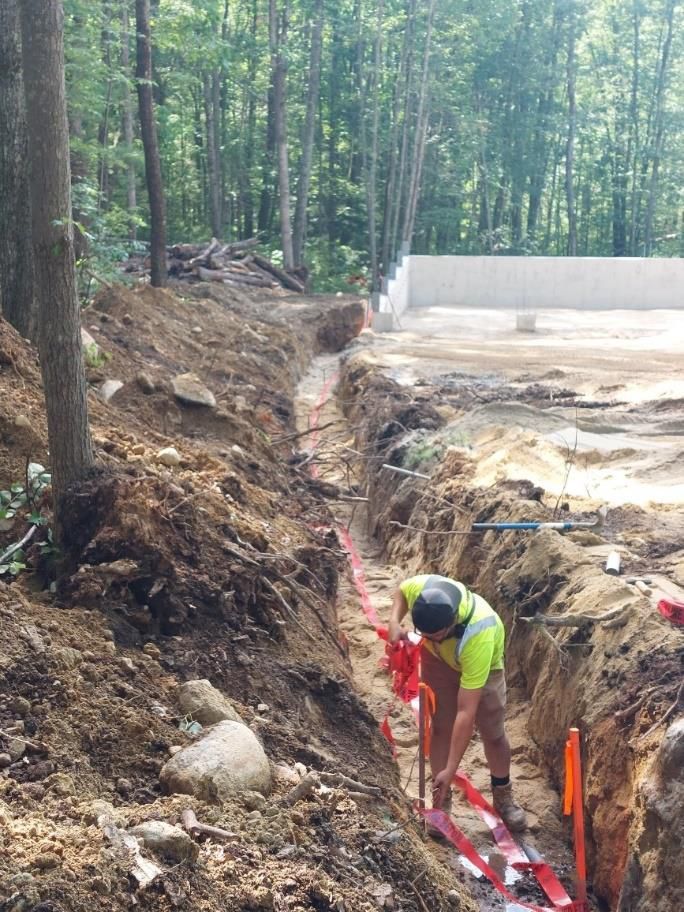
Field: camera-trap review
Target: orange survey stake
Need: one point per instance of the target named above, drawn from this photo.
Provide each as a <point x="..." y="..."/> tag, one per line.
<point x="578" y="815"/>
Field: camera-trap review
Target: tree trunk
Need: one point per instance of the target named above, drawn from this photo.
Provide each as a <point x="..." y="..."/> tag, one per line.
<point x="278" y="25"/>
<point x="211" y="81"/>
<point x="659" y="127"/>
<point x="570" y="145"/>
<point x="127" y="119"/>
<point x="420" y="133"/>
<point x="148" y="129"/>
<point x="17" y="302"/>
<point x="59" y="329"/>
<point x="391" y="200"/>
<point x="306" y="160"/>
<point x="372" y="158"/>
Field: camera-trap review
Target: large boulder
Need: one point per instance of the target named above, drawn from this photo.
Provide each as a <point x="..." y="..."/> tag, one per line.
<point x="207" y="705"/>
<point x="190" y="389"/>
<point x="228" y="760"/>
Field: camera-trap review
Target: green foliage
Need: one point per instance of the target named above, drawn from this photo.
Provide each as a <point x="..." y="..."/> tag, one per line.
<point x="430" y="448"/>
<point x="20" y="495"/>
<point x="493" y="179"/>
<point x="94" y="356"/>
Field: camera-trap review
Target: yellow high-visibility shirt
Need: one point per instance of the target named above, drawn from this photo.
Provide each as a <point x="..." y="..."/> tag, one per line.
<point x="480" y="649"/>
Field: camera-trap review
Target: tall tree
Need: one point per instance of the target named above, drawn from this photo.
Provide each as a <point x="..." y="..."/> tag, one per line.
<point x="279" y="14"/>
<point x="572" y="126"/>
<point x="306" y="160"/>
<point x="148" y="129"/>
<point x="17" y="302"/>
<point x="127" y="122"/>
<point x="59" y="327"/>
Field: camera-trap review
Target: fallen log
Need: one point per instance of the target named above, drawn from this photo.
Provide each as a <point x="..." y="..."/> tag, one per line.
<point x="203" y="257"/>
<point x="285" y="279"/>
<point x="235" y="247"/>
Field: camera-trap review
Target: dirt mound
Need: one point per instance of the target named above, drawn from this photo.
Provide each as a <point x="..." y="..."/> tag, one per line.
<point x="221" y="564"/>
<point x="582" y="645"/>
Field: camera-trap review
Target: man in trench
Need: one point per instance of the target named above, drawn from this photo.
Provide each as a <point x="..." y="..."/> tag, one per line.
<point x="462" y="661"/>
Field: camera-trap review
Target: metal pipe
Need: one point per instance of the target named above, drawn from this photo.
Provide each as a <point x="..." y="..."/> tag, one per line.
<point x="522" y="526"/>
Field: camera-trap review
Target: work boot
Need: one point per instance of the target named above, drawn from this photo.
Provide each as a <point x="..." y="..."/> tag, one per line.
<point x="446" y="807"/>
<point x="508" y="808"/>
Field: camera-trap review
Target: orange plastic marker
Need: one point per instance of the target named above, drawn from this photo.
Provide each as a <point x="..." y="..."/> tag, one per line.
<point x="421" y="744"/>
<point x="567" y="796"/>
<point x="578" y="816"/>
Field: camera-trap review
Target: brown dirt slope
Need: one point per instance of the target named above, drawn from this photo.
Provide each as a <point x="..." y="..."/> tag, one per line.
<point x="614" y="680"/>
<point x="222" y="567"/>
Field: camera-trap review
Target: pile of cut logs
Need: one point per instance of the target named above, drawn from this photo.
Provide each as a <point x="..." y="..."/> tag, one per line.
<point x="232" y="264"/>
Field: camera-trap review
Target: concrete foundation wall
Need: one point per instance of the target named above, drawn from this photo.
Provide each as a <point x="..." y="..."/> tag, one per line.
<point x="395" y="294"/>
<point x="592" y="283"/>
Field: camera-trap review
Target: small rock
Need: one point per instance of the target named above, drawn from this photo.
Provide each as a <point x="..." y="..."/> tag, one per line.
<point x="240" y="404"/>
<point x="22" y="421"/>
<point x="93" y="811"/>
<point x="253" y="801"/>
<point x="22" y="880"/>
<point x="671" y="752"/>
<point x="173" y="749"/>
<point x="138" y="449"/>
<point x="189" y="388"/>
<point x="47" y="860"/>
<point x="287" y="851"/>
<point x="164" y="839"/>
<point x="254" y="815"/>
<point x="21" y="706"/>
<point x="285" y="774"/>
<point x="152" y="650"/>
<point x="127" y="320"/>
<point x="127" y="665"/>
<point x="197" y="330"/>
<point x="263" y="707"/>
<point x="207" y="705"/>
<point x="383" y="894"/>
<point x="124" y="787"/>
<point x="61" y="784"/>
<point x="108" y="389"/>
<point x="145" y="383"/>
<point x="169" y="456"/>
<point x="5" y="761"/>
<point x="454" y="898"/>
<point x="300" y="769"/>
<point x="16" y="749"/>
<point x="67" y="657"/>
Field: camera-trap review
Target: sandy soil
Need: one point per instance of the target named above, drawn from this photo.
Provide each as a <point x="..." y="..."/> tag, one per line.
<point x="548" y="833"/>
<point x="624" y="425"/>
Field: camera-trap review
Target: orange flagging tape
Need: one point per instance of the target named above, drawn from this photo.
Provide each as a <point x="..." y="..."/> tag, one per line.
<point x="402" y="660"/>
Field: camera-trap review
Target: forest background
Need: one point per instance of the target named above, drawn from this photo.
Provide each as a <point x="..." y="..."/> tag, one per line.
<point x="524" y="127"/>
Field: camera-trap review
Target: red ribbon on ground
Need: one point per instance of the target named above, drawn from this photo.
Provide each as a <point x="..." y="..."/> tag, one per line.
<point x="315" y="417"/>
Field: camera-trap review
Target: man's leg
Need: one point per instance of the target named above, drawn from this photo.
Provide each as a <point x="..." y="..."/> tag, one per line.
<point x="490" y="722"/>
<point x="444" y="682"/>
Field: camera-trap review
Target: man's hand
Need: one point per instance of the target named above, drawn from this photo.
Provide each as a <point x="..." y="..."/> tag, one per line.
<point x="396" y="632"/>
<point x="441" y="785"/>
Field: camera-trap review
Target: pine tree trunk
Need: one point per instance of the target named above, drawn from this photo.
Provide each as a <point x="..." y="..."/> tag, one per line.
<point x="570" y="145"/>
<point x="420" y="133"/>
<point x="127" y="121"/>
<point x="213" y="154"/>
<point x="372" y="157"/>
<point x="17" y="302"/>
<point x="391" y="201"/>
<point x="305" y="165"/>
<point x="59" y="329"/>
<point x="278" y="25"/>
<point x="148" y="129"/>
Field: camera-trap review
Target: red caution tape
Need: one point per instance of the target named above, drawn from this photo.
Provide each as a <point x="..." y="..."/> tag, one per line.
<point x="402" y="660"/>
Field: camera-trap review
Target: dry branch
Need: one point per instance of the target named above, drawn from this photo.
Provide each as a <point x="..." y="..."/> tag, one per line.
<point x="338" y="780"/>
<point x="195" y="828"/>
<point x="574" y="620"/>
<point x="308" y="784"/>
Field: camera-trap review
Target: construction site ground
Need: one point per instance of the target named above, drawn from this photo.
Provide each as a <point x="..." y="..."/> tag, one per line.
<point x="227" y="566"/>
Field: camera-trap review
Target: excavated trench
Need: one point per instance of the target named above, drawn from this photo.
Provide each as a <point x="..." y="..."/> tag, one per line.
<point x="591" y="675"/>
